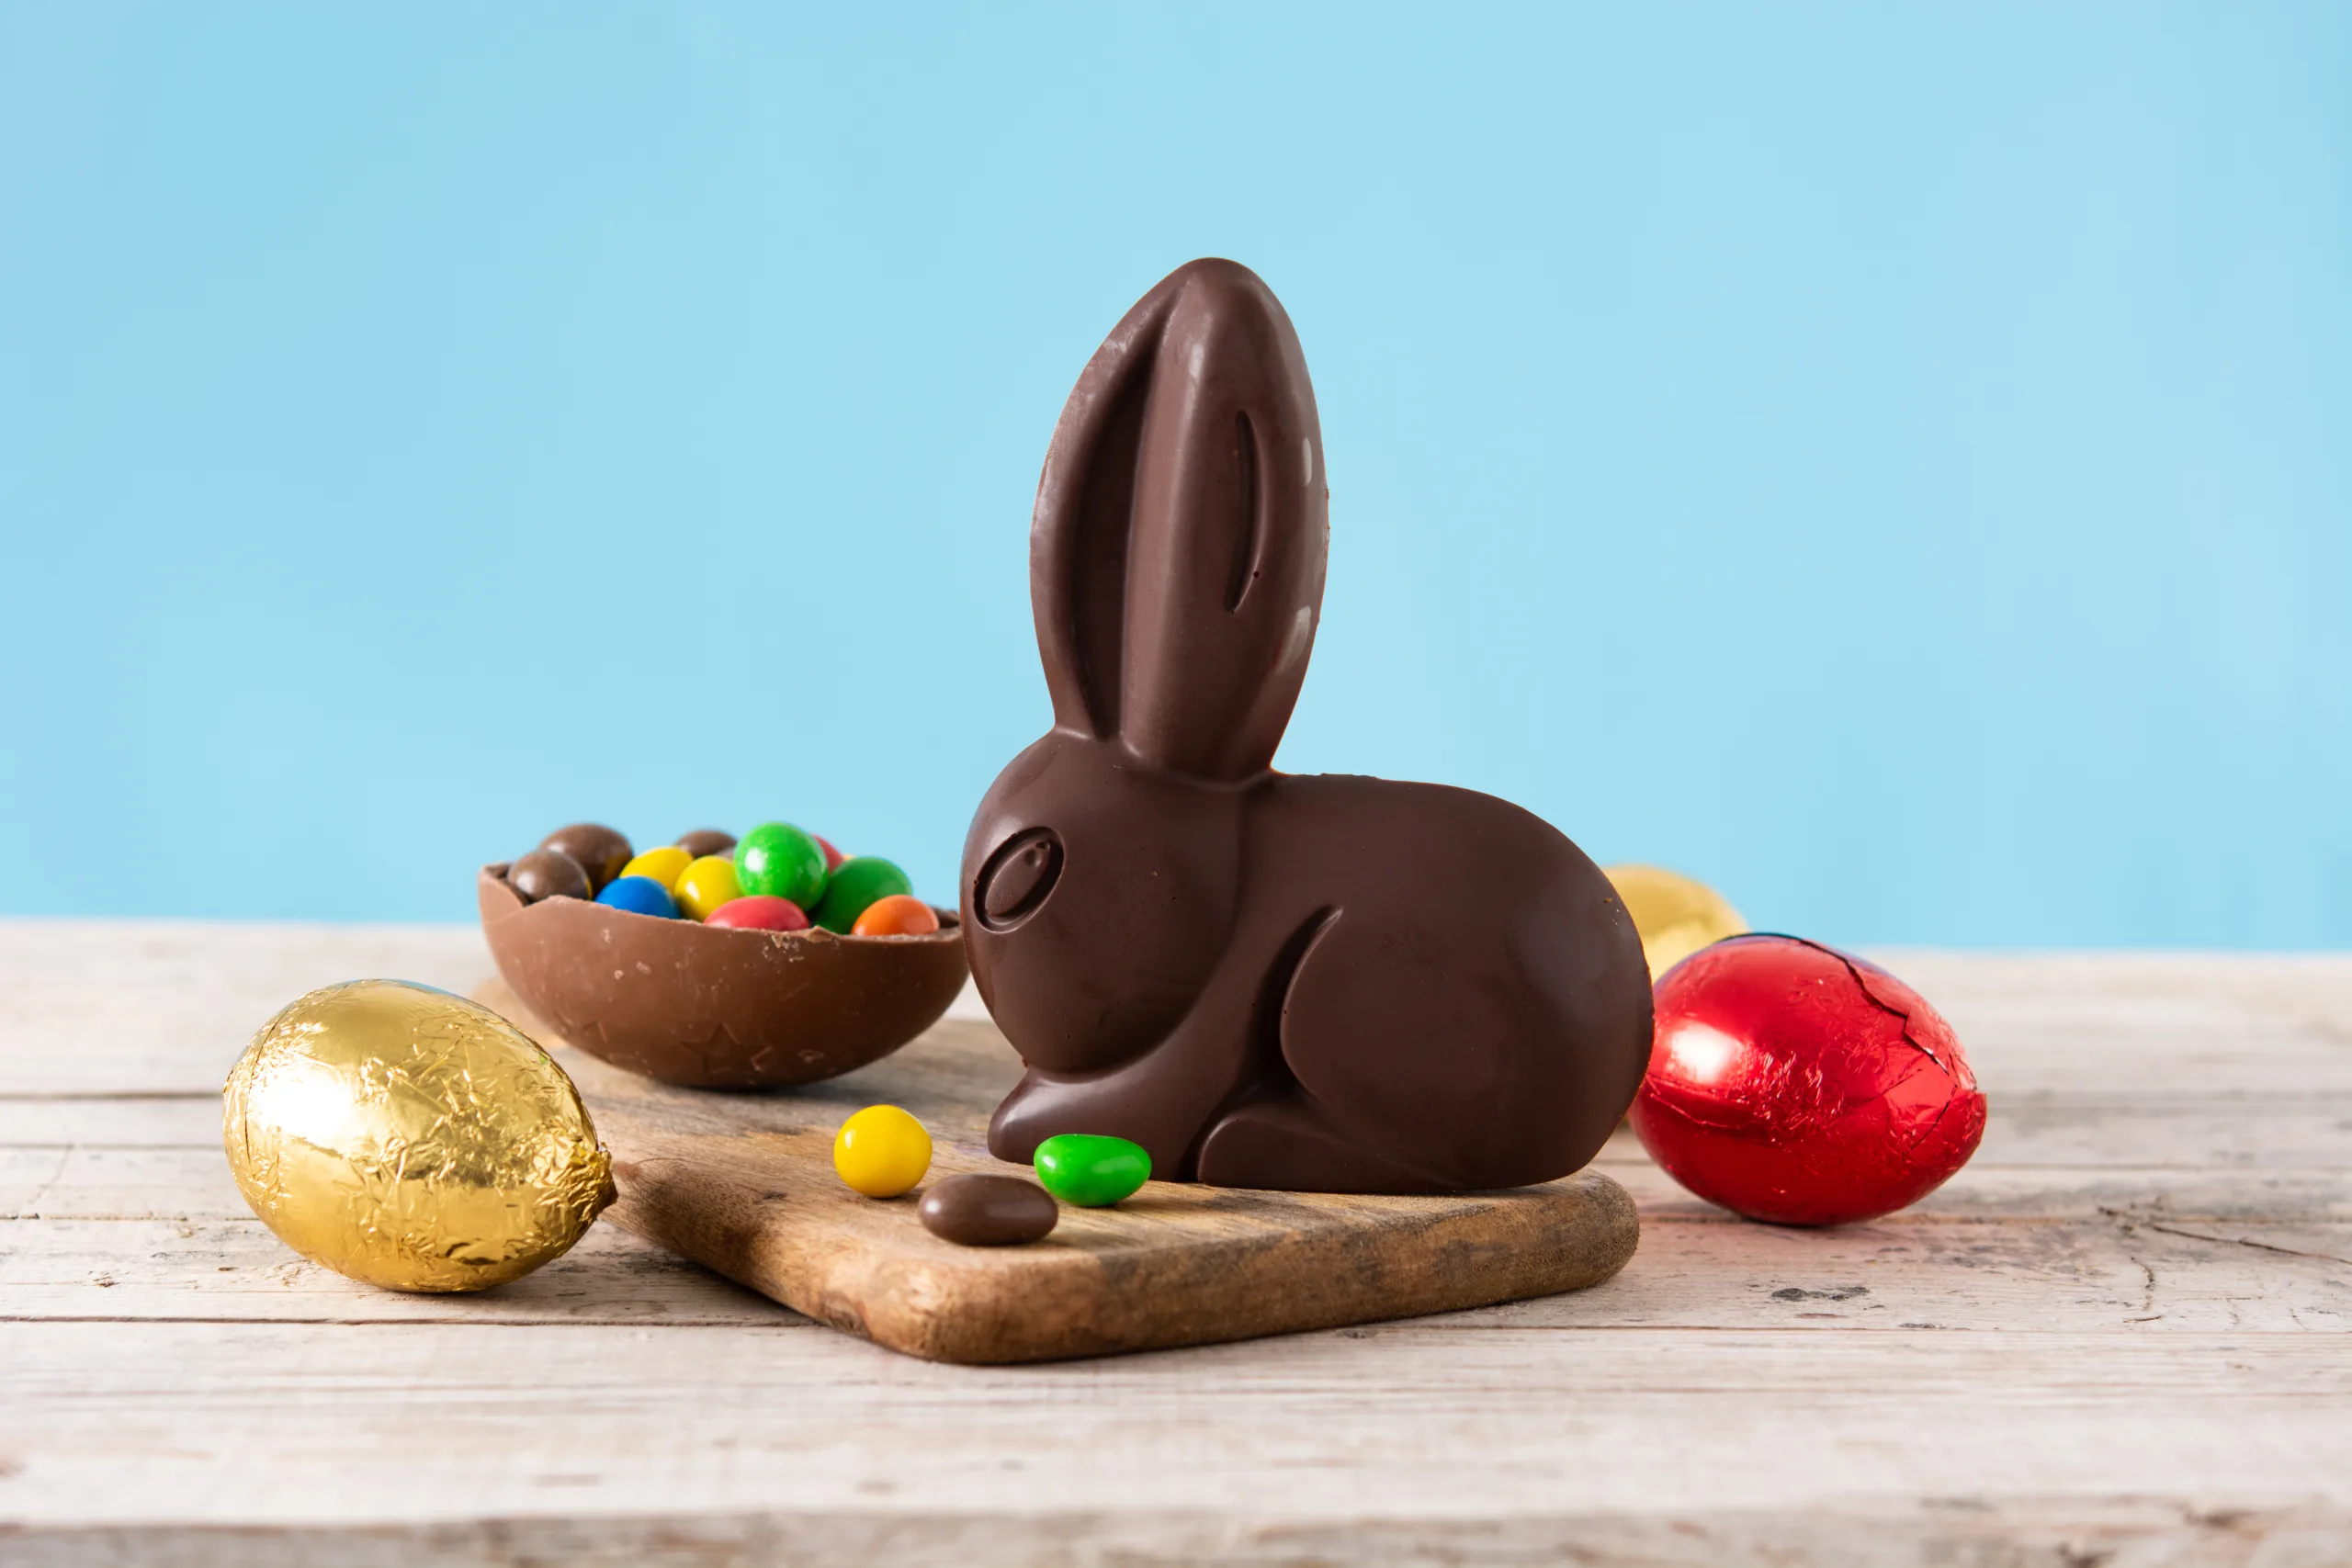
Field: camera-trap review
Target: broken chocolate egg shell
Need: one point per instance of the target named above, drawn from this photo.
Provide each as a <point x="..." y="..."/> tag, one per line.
<point x="710" y="1007"/>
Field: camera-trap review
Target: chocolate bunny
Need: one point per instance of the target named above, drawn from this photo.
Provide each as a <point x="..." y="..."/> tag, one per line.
<point x="1320" y="983"/>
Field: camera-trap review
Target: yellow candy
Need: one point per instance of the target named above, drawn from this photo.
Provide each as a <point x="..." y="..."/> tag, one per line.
<point x="663" y="865"/>
<point x="705" y="886"/>
<point x="882" y="1151"/>
<point x="1675" y="915"/>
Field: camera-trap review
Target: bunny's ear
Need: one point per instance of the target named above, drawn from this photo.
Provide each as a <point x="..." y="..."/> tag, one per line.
<point x="1230" y="532"/>
<point x="1176" y="560"/>
<point x="1077" y="538"/>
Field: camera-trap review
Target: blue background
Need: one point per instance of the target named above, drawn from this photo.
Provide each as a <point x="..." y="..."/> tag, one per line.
<point x="1893" y="461"/>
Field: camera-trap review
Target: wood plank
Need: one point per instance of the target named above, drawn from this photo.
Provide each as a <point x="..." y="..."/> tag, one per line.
<point x="2143" y="1130"/>
<point x="1463" y="1445"/>
<point x="235" y="1270"/>
<point x="95" y="1007"/>
<point x="2138" y="1291"/>
<point x="2110" y="1273"/>
<point x="176" y="1182"/>
<point x="1933" y="1532"/>
<point x="92" y="1006"/>
<point x="2062" y="1192"/>
<point x="745" y="1184"/>
<point x="2306" y="993"/>
<point x="187" y="1120"/>
<point x="146" y="1007"/>
<point x="2148" y="1131"/>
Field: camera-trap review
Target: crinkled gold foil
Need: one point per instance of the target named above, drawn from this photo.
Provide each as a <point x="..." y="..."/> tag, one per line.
<point x="1675" y="915"/>
<point x="411" y="1139"/>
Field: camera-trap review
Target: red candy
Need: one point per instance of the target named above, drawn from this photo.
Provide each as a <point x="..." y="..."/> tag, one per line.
<point x="832" y="856"/>
<point x="759" y="913"/>
<point x="1791" y="1083"/>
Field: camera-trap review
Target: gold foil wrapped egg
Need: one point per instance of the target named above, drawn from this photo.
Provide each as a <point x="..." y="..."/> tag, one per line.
<point x="411" y="1139"/>
<point x="1675" y="915"/>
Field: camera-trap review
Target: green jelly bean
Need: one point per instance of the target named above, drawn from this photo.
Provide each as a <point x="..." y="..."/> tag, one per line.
<point x="778" y="861"/>
<point x="857" y="882"/>
<point x="1089" y="1171"/>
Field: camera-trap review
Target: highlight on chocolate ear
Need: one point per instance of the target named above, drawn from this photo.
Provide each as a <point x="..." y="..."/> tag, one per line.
<point x="1177" y="550"/>
<point x="1227" y="531"/>
<point x="1079" y="533"/>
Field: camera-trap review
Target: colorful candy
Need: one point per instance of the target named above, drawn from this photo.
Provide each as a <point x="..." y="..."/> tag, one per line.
<point x="707" y="841"/>
<point x="881" y="1151"/>
<point x="758" y="912"/>
<point x="856" y="884"/>
<point x="780" y="861"/>
<point x="639" y="895"/>
<point x="706" y="885"/>
<point x="987" y="1211"/>
<point x="1091" y="1170"/>
<point x="548" y="873"/>
<point x="900" y="914"/>
<point x="662" y="864"/>
<point x="776" y="878"/>
<point x="600" y="851"/>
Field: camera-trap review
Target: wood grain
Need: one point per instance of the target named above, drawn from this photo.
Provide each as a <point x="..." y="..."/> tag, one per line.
<point x="1396" y="1443"/>
<point x="2119" y="1336"/>
<point x="744" y="1183"/>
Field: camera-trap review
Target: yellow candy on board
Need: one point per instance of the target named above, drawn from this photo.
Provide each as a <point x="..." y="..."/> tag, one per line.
<point x="882" y="1151"/>
<point x="705" y="886"/>
<point x="1676" y="915"/>
<point x="664" y="865"/>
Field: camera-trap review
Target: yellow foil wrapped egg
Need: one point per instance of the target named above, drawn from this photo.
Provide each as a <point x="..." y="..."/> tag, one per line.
<point x="1675" y="915"/>
<point x="411" y="1139"/>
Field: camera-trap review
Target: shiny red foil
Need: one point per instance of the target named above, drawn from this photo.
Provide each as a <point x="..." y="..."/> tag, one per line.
<point x="1791" y="1083"/>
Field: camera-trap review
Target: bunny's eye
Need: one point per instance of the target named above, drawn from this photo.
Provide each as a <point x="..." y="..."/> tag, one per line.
<point x="1017" y="878"/>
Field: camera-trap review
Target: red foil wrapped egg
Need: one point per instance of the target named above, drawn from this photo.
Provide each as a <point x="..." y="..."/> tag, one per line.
<point x="1788" y="1082"/>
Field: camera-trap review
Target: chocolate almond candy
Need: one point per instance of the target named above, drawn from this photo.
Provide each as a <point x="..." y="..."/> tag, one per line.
<point x="549" y="874"/>
<point x="1335" y="983"/>
<point x="707" y="841"/>
<point x="601" y="851"/>
<point x="987" y="1211"/>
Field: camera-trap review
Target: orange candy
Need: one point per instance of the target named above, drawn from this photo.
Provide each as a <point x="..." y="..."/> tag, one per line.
<point x="902" y="914"/>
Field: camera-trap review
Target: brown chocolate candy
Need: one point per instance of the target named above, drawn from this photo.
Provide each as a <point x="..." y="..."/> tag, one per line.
<point x="1321" y="984"/>
<point x="707" y="841"/>
<point x="601" y="851"/>
<point x="549" y="874"/>
<point x="987" y="1211"/>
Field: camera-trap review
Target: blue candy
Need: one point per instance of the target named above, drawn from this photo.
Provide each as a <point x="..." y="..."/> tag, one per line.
<point x="639" y="895"/>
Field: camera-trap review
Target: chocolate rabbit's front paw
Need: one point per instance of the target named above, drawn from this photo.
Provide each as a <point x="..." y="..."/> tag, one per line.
<point x="1123" y="1105"/>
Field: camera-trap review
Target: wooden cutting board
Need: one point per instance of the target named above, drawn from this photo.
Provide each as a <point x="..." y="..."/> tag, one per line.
<point x="744" y="1183"/>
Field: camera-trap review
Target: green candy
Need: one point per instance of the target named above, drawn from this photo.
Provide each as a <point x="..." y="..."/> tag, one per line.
<point x="780" y="861"/>
<point x="1090" y="1170"/>
<point x="856" y="882"/>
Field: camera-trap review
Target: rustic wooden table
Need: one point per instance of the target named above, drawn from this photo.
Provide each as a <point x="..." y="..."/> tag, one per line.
<point x="2120" y="1336"/>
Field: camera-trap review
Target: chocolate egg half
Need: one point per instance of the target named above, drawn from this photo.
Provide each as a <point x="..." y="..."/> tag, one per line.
<point x="714" y="1008"/>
